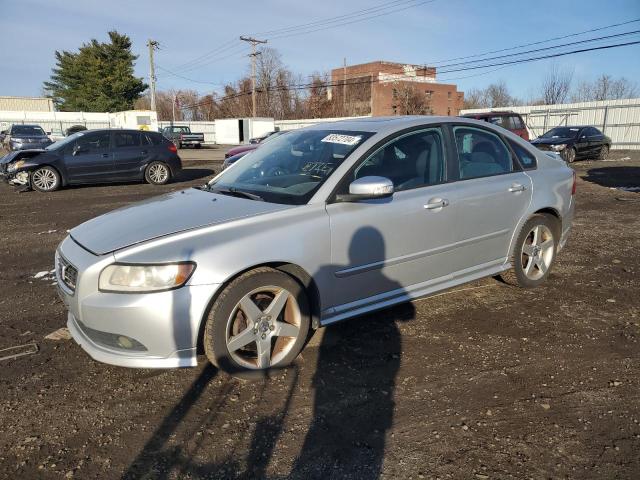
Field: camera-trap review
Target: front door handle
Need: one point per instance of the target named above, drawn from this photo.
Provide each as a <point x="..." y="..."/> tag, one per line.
<point x="436" y="203"/>
<point x="516" y="187"/>
<point x="106" y="155"/>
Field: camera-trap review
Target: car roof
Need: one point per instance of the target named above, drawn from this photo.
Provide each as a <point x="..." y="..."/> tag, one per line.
<point x="388" y="124"/>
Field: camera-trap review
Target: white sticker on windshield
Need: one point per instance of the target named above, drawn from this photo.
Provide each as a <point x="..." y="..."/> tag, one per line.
<point x="342" y="139"/>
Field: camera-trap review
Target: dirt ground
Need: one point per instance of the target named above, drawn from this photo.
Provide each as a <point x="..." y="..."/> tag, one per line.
<point x="487" y="381"/>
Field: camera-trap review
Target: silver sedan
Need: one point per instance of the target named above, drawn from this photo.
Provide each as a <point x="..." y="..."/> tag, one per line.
<point x="317" y="226"/>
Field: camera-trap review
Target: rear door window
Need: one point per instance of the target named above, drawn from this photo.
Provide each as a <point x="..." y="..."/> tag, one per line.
<point x="126" y="139"/>
<point x="481" y="153"/>
<point x="151" y="139"/>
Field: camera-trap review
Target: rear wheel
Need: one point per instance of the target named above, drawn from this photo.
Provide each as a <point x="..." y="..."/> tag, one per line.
<point x="534" y="252"/>
<point x="569" y="154"/>
<point x="259" y="321"/>
<point x="157" y="173"/>
<point x="45" y="179"/>
<point x="604" y="151"/>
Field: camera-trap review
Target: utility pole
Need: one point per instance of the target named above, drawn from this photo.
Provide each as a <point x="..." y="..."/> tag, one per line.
<point x="153" y="45"/>
<point x="253" y="56"/>
<point x="344" y="88"/>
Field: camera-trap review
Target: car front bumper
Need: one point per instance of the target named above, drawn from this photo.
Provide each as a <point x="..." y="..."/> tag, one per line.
<point x="148" y="330"/>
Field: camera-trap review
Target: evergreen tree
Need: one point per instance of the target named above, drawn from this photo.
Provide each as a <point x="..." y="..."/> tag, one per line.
<point x="98" y="78"/>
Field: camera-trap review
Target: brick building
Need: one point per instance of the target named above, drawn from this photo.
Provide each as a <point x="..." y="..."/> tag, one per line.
<point x="387" y="88"/>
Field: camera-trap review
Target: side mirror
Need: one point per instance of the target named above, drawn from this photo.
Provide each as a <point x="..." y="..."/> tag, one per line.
<point x="367" y="188"/>
<point x="48" y="133"/>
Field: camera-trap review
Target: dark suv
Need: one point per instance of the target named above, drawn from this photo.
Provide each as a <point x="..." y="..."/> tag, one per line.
<point x="512" y="121"/>
<point x="95" y="156"/>
<point x="20" y="137"/>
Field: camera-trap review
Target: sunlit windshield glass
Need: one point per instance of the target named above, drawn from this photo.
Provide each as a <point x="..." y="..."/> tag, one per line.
<point x="561" y="132"/>
<point x="65" y="141"/>
<point x="290" y="168"/>
<point x="27" y="130"/>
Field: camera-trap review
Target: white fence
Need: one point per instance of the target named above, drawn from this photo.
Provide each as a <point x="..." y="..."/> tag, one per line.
<point x="618" y="119"/>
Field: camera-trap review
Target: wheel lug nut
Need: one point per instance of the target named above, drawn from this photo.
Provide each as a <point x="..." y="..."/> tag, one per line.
<point x="271" y="327"/>
<point x="264" y="335"/>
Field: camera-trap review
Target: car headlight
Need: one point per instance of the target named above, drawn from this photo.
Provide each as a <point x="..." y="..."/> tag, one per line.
<point x="144" y="278"/>
<point x="15" y="165"/>
<point x="558" y="148"/>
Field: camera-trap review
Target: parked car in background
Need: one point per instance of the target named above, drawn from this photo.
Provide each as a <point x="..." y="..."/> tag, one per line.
<point x="228" y="161"/>
<point x="94" y="156"/>
<point x="510" y="120"/>
<point x="262" y="137"/>
<point x="74" y="129"/>
<point x="574" y="143"/>
<point x="182" y="136"/>
<point x="322" y="224"/>
<point x="20" y="137"/>
<point x="252" y="146"/>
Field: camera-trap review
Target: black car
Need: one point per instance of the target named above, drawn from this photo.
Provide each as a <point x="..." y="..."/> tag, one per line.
<point x="94" y="156"/>
<point x="21" y="137"/>
<point x="573" y="143"/>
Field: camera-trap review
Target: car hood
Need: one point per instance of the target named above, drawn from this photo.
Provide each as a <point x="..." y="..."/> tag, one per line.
<point x="242" y="148"/>
<point x="552" y="141"/>
<point x="164" y="215"/>
<point x="28" y="153"/>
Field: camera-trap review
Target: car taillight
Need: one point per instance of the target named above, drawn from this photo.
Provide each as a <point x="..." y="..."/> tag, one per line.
<point x="172" y="148"/>
<point x="573" y="188"/>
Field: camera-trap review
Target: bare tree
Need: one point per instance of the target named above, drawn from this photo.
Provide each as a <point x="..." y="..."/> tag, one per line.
<point x="605" y="87"/>
<point x="556" y="85"/>
<point x="410" y="101"/>
<point x="495" y="95"/>
<point x="476" y="98"/>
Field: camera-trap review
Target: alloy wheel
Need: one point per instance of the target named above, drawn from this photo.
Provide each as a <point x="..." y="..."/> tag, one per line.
<point x="537" y="252"/>
<point x="263" y="327"/>
<point x="158" y="173"/>
<point x="44" y="179"/>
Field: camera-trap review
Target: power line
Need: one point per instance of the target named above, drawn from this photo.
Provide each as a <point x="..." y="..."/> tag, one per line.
<point x="435" y="63"/>
<point x="371" y="81"/>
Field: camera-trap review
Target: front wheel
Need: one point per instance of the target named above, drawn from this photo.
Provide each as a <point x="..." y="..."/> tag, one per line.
<point x="157" y="173"/>
<point x="45" y="179"/>
<point x="259" y="321"/>
<point x="569" y="154"/>
<point x="534" y="252"/>
<point x="604" y="151"/>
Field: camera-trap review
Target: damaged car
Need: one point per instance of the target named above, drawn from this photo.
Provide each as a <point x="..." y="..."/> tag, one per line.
<point x="94" y="156"/>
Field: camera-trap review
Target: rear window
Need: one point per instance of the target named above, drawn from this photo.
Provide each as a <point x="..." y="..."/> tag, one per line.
<point x="152" y="139"/>
<point x="527" y="159"/>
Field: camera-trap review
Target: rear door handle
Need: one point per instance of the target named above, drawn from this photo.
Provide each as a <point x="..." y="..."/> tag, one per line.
<point x="516" y="187"/>
<point x="144" y="152"/>
<point x="436" y="203"/>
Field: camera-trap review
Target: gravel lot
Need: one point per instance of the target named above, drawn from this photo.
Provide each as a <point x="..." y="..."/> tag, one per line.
<point x="487" y="381"/>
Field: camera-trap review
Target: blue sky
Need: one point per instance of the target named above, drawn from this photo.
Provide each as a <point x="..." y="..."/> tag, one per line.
<point x="33" y="29"/>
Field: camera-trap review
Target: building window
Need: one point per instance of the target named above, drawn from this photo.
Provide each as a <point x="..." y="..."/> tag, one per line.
<point x="449" y="111"/>
<point x="394" y="93"/>
<point x="449" y="95"/>
<point x="428" y="93"/>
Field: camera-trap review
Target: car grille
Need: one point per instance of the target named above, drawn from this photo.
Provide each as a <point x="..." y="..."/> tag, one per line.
<point x="67" y="273"/>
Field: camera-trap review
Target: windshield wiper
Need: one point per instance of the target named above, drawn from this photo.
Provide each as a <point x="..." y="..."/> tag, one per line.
<point x="234" y="192"/>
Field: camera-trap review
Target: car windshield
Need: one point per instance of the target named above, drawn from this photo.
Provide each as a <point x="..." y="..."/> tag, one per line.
<point x="27" y="130"/>
<point x="272" y="136"/>
<point x="562" y="132"/>
<point x="290" y="168"/>
<point x="66" y="141"/>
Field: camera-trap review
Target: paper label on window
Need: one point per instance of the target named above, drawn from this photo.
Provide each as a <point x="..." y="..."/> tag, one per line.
<point x="342" y="139"/>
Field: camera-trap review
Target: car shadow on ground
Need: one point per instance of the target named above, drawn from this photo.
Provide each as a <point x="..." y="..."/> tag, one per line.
<point x="353" y="404"/>
<point x="623" y="178"/>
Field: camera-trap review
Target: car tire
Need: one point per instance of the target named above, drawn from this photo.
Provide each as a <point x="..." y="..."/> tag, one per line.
<point x="157" y="173"/>
<point x="45" y="179"/>
<point x="604" y="151"/>
<point x="198" y="146"/>
<point x="569" y="155"/>
<point x="241" y="333"/>
<point x="534" y="252"/>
